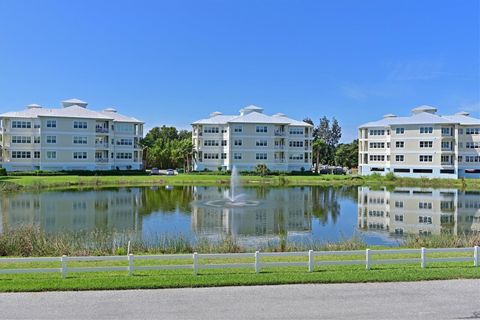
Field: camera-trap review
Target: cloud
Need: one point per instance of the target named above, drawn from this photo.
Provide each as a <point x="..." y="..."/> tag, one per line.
<point x="415" y="70"/>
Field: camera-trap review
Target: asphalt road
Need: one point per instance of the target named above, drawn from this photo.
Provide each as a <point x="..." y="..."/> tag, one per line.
<point x="455" y="299"/>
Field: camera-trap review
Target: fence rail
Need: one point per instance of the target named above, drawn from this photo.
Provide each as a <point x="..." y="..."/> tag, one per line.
<point x="194" y="261"/>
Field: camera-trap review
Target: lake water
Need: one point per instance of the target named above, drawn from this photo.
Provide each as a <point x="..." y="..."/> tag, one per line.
<point x="380" y="216"/>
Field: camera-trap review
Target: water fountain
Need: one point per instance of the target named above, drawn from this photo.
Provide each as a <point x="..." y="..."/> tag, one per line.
<point x="234" y="198"/>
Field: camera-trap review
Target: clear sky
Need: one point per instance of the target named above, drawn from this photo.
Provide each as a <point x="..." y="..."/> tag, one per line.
<point x="173" y="62"/>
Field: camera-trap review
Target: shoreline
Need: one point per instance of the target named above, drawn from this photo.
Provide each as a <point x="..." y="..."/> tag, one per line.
<point x="75" y="182"/>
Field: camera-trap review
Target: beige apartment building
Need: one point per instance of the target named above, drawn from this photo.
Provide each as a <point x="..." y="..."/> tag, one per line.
<point x="418" y="211"/>
<point x="421" y="145"/>
<point x="69" y="138"/>
<point x="252" y="138"/>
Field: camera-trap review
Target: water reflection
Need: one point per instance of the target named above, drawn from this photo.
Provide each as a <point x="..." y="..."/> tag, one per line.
<point x="381" y="216"/>
<point x="418" y="211"/>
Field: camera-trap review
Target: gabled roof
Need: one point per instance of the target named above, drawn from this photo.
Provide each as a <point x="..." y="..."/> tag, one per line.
<point x="112" y="113"/>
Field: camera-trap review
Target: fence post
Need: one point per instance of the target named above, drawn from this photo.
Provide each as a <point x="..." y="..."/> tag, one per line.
<point x="128" y="247"/>
<point x="310" y="260"/>
<point x="130" y="264"/>
<point x="423" y="258"/>
<point x="195" y="262"/>
<point x="475" y="256"/>
<point x="257" y="261"/>
<point x="367" y="259"/>
<point x="63" y="260"/>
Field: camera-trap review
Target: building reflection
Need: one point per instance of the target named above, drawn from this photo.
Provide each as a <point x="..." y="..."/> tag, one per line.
<point x="418" y="211"/>
<point x="73" y="211"/>
<point x="279" y="212"/>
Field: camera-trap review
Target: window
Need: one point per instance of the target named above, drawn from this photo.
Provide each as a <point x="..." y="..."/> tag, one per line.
<point x="446" y="131"/>
<point x="426" y="130"/>
<point x="224" y="156"/>
<point x="445" y="159"/>
<point x="51" y="139"/>
<point x="377" y="132"/>
<point x="426" y="144"/>
<point x="210" y="143"/>
<point x="472" y="145"/>
<point x="446" y="145"/>
<point x="127" y="127"/>
<point x="424" y="205"/>
<point x="80" y="125"/>
<point x="237" y="129"/>
<point x="210" y="130"/>
<point x="261" y="143"/>
<point x="124" y="155"/>
<point x="36" y="154"/>
<point x="425" y="220"/>
<point x="460" y="131"/>
<point x="399" y="157"/>
<point x="261" y="156"/>
<point x="21" y="139"/>
<point x="398" y="204"/>
<point x="21" y="154"/>
<point x="79" y="140"/>
<point x="80" y="155"/>
<point x="237" y="142"/>
<point x="399" y="217"/>
<point x="261" y="129"/>
<point x="210" y="156"/>
<point x="17" y="124"/>
<point x="237" y="156"/>
<point x="376" y="157"/>
<point x="126" y="142"/>
<point x="399" y="144"/>
<point x="51" y="123"/>
<point x="224" y="143"/>
<point x="296" y="130"/>
<point x="36" y="139"/>
<point x="472" y="158"/>
<point x="460" y="158"/>
<point x="472" y="131"/>
<point x="377" y="145"/>
<point x="296" y="144"/>
<point x="51" y="155"/>
<point x="296" y="156"/>
<point x="402" y="170"/>
<point x="400" y="130"/>
<point x="423" y="158"/>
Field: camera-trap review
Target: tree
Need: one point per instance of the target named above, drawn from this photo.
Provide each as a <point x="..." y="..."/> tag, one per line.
<point x="324" y="152"/>
<point x="166" y="147"/>
<point x="346" y="155"/>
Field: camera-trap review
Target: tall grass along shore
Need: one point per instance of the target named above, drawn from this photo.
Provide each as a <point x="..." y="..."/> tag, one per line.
<point x="58" y="182"/>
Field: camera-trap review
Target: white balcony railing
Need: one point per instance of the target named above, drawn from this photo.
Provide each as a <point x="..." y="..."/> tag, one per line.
<point x="101" y="160"/>
<point x="101" y="129"/>
<point x="101" y="145"/>
<point x="279" y="133"/>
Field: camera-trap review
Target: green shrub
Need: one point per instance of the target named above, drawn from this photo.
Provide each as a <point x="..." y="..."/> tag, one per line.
<point x="3" y="172"/>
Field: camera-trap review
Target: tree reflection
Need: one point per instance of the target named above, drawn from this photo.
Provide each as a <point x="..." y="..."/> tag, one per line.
<point x="166" y="200"/>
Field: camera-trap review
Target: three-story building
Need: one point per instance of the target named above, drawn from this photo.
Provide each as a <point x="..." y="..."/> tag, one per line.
<point x="69" y="138"/>
<point x="252" y="138"/>
<point x="421" y="145"/>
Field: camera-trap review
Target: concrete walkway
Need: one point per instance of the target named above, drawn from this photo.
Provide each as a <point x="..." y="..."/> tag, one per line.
<point x="453" y="299"/>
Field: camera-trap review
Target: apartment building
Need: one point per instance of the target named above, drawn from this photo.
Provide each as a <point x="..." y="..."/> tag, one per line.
<point x="252" y="138"/>
<point x="424" y="144"/>
<point x="69" y="138"/>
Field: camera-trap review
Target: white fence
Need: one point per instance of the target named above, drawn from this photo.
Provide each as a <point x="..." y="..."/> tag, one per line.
<point x="369" y="258"/>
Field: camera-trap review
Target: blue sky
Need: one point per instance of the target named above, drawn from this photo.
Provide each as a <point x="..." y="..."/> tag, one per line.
<point x="173" y="62"/>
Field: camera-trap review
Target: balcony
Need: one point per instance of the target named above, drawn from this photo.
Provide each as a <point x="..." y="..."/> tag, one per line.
<point x="101" y="160"/>
<point x="101" y="130"/>
<point x="279" y="133"/>
<point x="101" y="145"/>
<point x="279" y="160"/>
<point x="279" y="147"/>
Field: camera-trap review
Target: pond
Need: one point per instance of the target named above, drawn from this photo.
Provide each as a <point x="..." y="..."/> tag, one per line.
<point x="379" y="216"/>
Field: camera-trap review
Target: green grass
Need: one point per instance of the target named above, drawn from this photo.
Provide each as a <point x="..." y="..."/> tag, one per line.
<point x="18" y="183"/>
<point x="230" y="277"/>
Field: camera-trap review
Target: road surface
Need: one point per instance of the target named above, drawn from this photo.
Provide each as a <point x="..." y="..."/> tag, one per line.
<point x="453" y="299"/>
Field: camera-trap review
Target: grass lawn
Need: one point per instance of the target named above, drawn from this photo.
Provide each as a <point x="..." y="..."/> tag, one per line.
<point x="230" y="277"/>
<point x="17" y="183"/>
